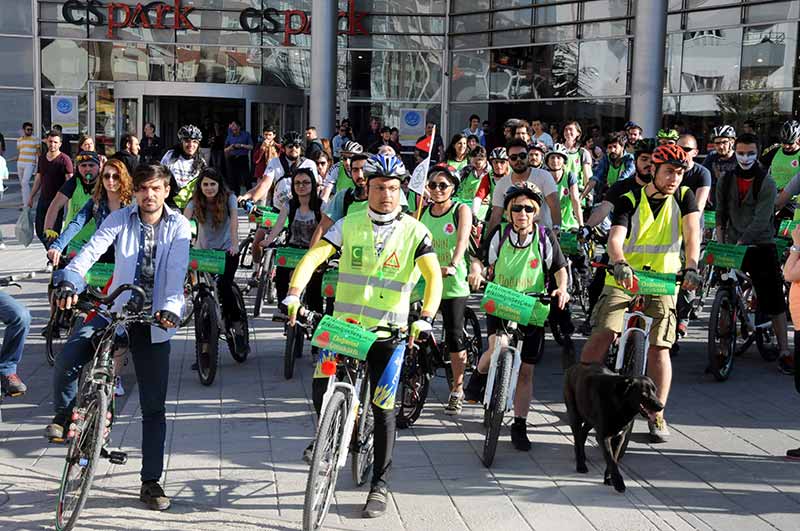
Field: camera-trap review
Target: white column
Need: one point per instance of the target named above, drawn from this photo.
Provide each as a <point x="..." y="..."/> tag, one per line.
<point x="647" y="76"/>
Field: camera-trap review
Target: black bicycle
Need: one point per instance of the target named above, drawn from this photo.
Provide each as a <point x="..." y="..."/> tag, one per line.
<point x="92" y="416"/>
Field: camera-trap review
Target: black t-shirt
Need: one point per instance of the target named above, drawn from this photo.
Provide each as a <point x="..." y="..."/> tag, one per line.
<point x="620" y="188"/>
<point x="696" y="177"/>
<point x="623" y="208"/>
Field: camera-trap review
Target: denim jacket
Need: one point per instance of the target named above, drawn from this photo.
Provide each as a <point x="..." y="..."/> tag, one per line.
<point x="628" y="169"/>
<point x="84" y="215"/>
<point x="122" y="228"/>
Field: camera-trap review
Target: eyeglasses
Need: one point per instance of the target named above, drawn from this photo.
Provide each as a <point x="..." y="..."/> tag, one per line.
<point x="111" y="177"/>
<point x="292" y="146"/>
<point x="521" y="156"/>
<point x="519" y="208"/>
<point x="440" y="186"/>
<point x="302" y="183"/>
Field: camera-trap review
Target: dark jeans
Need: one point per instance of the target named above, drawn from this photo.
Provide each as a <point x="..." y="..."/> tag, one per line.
<point x="238" y="173"/>
<point x="312" y="296"/>
<point x="41" y="212"/>
<point x="17" y="320"/>
<point x="597" y="284"/>
<point x="230" y="310"/>
<point x="151" y="361"/>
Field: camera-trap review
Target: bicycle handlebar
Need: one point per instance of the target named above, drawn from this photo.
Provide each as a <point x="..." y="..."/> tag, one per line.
<point x="600" y="265"/>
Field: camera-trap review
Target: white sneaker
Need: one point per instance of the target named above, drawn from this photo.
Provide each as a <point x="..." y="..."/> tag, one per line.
<point x="118" y="389"/>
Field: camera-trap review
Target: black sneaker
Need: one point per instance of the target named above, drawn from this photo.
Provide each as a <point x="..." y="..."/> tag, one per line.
<point x="473" y="392"/>
<point x="152" y="495"/>
<point x="519" y="436"/>
<point x="793" y="454"/>
<point x="54" y="431"/>
<point x="376" y="502"/>
<point x="786" y="364"/>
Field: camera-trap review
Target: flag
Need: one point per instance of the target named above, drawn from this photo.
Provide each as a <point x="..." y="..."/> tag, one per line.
<point x="425" y="144"/>
<point x="420" y="174"/>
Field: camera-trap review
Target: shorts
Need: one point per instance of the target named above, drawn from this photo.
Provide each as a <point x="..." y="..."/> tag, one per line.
<point x="453" y="321"/>
<point x="532" y="344"/>
<point x="610" y="310"/>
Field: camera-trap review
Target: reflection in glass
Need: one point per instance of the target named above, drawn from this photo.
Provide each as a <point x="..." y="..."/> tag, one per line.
<point x="469" y="23"/>
<point x="603" y="68"/>
<point x="512" y="19"/>
<point x="461" y="6"/>
<point x="711" y="60"/>
<point x="115" y="61"/>
<point x="605" y="9"/>
<point x="534" y="72"/>
<point x="47" y="120"/>
<point x="611" y="28"/>
<point x="17" y="107"/>
<point x="508" y="38"/>
<point x="16" y="58"/>
<point x="768" y="56"/>
<point x="469" y="75"/>
<point x="410" y="76"/>
<point x="286" y="68"/>
<point x="16" y="17"/>
<point x="713" y="18"/>
<point x="205" y="64"/>
<point x="161" y="64"/>
<point x="554" y="33"/>
<point x="772" y="11"/>
<point x="476" y="40"/>
<point x="672" y="62"/>
<point x="65" y="64"/>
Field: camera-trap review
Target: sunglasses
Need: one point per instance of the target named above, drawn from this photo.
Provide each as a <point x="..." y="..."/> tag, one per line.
<point x="111" y="177"/>
<point x="439" y="186"/>
<point x="302" y="183"/>
<point x="519" y="208"/>
<point x="521" y="156"/>
<point x="293" y="146"/>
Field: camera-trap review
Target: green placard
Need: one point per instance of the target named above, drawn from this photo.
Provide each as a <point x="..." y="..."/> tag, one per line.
<point x="419" y="291"/>
<point x="787" y="226"/>
<point x="289" y="256"/>
<point x="329" y="280"/>
<point x="725" y="254"/>
<point x="99" y="275"/>
<point x="507" y="303"/>
<point x="193" y="227"/>
<point x="781" y="244"/>
<point x="207" y="260"/>
<point x="652" y="283"/>
<point x="343" y="338"/>
<point x="709" y="219"/>
<point x="569" y="243"/>
<point x="73" y="248"/>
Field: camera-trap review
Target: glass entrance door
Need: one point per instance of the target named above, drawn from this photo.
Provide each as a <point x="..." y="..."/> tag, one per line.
<point x="102" y="112"/>
<point x="127" y="118"/>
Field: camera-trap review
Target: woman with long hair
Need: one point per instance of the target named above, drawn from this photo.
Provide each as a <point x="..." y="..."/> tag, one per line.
<point x="456" y="153"/>
<point x="323" y="161"/>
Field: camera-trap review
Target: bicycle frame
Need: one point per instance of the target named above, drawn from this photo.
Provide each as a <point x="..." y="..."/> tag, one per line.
<point x="351" y="393"/>
<point x="730" y="278"/>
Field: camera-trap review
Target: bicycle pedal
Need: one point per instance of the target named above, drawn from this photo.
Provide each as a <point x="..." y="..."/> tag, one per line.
<point x="118" y="458"/>
<point x="57" y="440"/>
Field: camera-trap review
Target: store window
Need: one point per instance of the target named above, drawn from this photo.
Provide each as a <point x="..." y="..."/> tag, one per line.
<point x="114" y="61"/>
<point x="469" y="75"/>
<point x="534" y="72"/>
<point x="412" y="76"/>
<point x="769" y="56"/>
<point x="284" y="67"/>
<point x="772" y="11"/>
<point x="211" y="64"/>
<point x="461" y="6"/>
<point x="17" y="108"/>
<point x="16" y="56"/>
<point x="360" y="112"/>
<point x="713" y="18"/>
<point x="711" y="60"/>
<point x="65" y="64"/>
<point x="672" y="62"/>
<point x="83" y="106"/>
<point x="16" y="17"/>
<point x="603" y="68"/>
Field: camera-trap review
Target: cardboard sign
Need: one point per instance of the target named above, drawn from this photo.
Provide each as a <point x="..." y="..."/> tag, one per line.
<point x="329" y="280"/>
<point x="787" y="226"/>
<point x="343" y="338"/>
<point x="289" y="256"/>
<point x="507" y="303"/>
<point x="569" y="243"/>
<point x="652" y="283"/>
<point x="709" y="219"/>
<point x="99" y="275"/>
<point x="725" y="255"/>
<point x="207" y="260"/>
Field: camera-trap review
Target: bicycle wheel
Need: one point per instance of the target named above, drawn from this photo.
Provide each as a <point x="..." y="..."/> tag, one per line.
<point x="81" y="460"/>
<point x="766" y="339"/>
<point x="245" y="254"/>
<point x="272" y="292"/>
<point x="239" y="345"/>
<point x="722" y="335"/>
<point x="472" y="330"/>
<point x="363" y="443"/>
<point x="58" y="330"/>
<point x="206" y="338"/>
<point x="634" y="358"/>
<point x="323" y="472"/>
<point x="497" y="404"/>
<point x="261" y="290"/>
<point x="295" y="337"/>
<point x="412" y="390"/>
<point x="558" y="337"/>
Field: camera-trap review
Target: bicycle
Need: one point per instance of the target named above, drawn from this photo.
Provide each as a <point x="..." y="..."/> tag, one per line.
<point x="735" y="303"/>
<point x="346" y="412"/>
<point x="92" y="416"/>
<point x="209" y="322"/>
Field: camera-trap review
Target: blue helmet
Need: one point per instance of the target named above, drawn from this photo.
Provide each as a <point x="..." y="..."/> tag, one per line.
<point x="388" y="166"/>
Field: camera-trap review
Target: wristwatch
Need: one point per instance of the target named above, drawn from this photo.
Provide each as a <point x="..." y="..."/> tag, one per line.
<point x="794" y="249"/>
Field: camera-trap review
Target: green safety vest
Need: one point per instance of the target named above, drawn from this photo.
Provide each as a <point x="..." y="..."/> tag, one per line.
<point x="521" y="269"/>
<point x="568" y="220"/>
<point x="613" y="173"/>
<point x="343" y="181"/>
<point x="653" y="242"/>
<point x="184" y="195"/>
<point x="78" y="200"/>
<point x="444" y="231"/>
<point x="375" y="290"/>
<point x="458" y="165"/>
<point x="469" y="188"/>
<point x="784" y="167"/>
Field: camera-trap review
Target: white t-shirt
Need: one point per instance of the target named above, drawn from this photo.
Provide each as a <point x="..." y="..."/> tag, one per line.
<point x="282" y="188"/>
<point x="181" y="168"/>
<point x="542" y="179"/>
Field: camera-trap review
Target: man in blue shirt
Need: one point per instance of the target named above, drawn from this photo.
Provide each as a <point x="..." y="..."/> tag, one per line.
<point x="238" y="145"/>
<point x="616" y="165"/>
<point x="151" y="250"/>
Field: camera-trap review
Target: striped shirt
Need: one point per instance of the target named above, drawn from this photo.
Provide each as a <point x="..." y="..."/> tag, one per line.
<point x="28" y="148"/>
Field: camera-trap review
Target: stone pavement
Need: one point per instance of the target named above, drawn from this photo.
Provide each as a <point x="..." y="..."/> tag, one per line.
<point x="234" y="450"/>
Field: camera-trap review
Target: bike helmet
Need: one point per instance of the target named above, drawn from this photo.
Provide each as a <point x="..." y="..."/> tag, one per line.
<point x="644" y="145"/>
<point x="540" y="146"/>
<point x="790" y="132"/>
<point x="668" y="134"/>
<point x="190" y="132"/>
<point x="352" y="147"/>
<point x="528" y="189"/>
<point x="723" y="131"/>
<point x="632" y="125"/>
<point x="670" y="154"/>
<point x="385" y="166"/>
<point x="498" y="153"/>
<point x="450" y="172"/>
<point x="292" y="138"/>
<point x="558" y="149"/>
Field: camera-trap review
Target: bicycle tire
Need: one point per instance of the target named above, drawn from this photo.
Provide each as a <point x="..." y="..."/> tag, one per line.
<point x="239" y="352"/>
<point x="634" y="358"/>
<point x="412" y="390"/>
<point x="272" y="293"/>
<point x="206" y="332"/>
<point x="497" y="404"/>
<point x="722" y="335"/>
<point x="261" y="291"/>
<point x="57" y="333"/>
<point x="363" y="441"/>
<point x="245" y="253"/>
<point x="83" y="453"/>
<point x="766" y="339"/>
<point x="323" y="471"/>
<point x="293" y="335"/>
<point x="472" y="326"/>
<point x="555" y="331"/>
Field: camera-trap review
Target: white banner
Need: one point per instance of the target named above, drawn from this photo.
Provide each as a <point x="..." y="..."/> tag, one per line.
<point x="420" y="175"/>
<point x="412" y="125"/>
<point x="64" y="112"/>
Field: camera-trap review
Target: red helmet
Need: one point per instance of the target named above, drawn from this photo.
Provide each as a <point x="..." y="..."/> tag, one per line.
<point x="671" y="154"/>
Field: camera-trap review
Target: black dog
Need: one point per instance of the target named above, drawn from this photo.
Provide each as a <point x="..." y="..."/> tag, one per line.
<point x="601" y="399"/>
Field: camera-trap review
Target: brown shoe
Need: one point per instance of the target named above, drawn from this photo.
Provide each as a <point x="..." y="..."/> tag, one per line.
<point x="153" y="496"/>
<point x="12" y="385"/>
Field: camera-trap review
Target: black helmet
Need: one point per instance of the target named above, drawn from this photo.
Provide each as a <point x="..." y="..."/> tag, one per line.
<point x="528" y="189"/>
<point x="450" y="172"/>
<point x="644" y="145"/>
<point x="292" y="138"/>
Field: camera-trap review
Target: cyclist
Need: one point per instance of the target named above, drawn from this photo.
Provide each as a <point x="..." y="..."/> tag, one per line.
<point x="456" y="154"/>
<point x="449" y="223"/>
<point x="519" y="255"/>
<point x="472" y="177"/>
<point x="536" y="154"/>
<point x="567" y="183"/>
<point x="74" y="196"/>
<point x="498" y="158"/>
<point x="667" y="137"/>
<point x="649" y="225"/>
<point x="214" y="207"/>
<point x="151" y="250"/>
<point x="745" y="216"/>
<point x="783" y="159"/>
<point x="579" y="159"/>
<point x="338" y="178"/>
<point x="381" y="249"/>
<point x="633" y="133"/>
<point x="185" y="163"/>
<point x="721" y="161"/>
<point x="615" y="165"/>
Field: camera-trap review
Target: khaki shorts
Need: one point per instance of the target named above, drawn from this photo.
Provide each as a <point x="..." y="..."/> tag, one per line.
<point x="610" y="309"/>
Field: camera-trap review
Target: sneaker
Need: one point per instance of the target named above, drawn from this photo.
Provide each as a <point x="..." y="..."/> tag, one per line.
<point x="376" y="502"/>
<point x="793" y="454"/>
<point x="55" y="430"/>
<point x="12" y="385"/>
<point x="786" y="364"/>
<point x="658" y="430"/>
<point x="153" y="496"/>
<point x="308" y="453"/>
<point x="454" y="404"/>
<point x="683" y="326"/>
<point x="473" y="392"/>
<point x="519" y="436"/>
<point x="118" y="389"/>
<point x="252" y="281"/>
